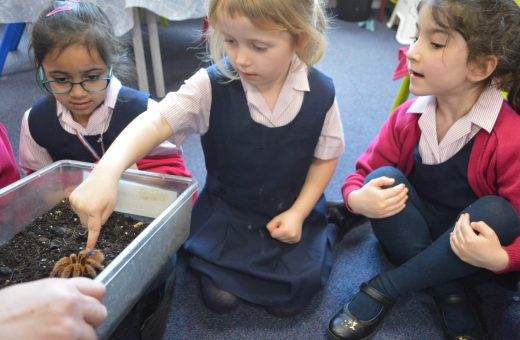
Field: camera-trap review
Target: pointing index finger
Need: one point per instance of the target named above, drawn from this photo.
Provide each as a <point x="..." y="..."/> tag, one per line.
<point x="94" y="228"/>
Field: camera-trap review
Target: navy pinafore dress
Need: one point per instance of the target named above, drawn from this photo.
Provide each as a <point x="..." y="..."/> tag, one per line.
<point x="444" y="188"/>
<point x="253" y="174"/>
<point x="47" y="131"/>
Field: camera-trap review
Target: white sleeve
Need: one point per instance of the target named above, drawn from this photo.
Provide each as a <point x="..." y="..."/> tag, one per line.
<point x="331" y="143"/>
<point x="32" y="156"/>
<point x="187" y="110"/>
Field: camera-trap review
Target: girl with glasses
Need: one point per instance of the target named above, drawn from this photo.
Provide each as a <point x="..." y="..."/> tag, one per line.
<point x="77" y="56"/>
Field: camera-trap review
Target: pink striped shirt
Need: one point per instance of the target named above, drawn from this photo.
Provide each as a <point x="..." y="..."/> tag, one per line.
<point x="187" y="110"/>
<point x="34" y="157"/>
<point x="481" y="116"/>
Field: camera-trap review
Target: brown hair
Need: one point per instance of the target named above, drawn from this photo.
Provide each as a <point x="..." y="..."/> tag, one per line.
<point x="490" y="27"/>
<point x="84" y="24"/>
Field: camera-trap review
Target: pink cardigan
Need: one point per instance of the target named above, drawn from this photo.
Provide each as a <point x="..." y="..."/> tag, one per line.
<point x="493" y="169"/>
<point x="8" y="168"/>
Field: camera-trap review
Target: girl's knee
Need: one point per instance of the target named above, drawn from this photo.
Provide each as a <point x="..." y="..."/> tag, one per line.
<point x="499" y="214"/>
<point x="387" y="171"/>
<point x="498" y="207"/>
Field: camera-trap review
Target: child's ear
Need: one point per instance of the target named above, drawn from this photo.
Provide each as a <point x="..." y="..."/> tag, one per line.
<point x="301" y="41"/>
<point x="483" y="68"/>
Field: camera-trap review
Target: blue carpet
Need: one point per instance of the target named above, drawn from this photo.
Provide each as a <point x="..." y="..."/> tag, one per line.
<point x="361" y="63"/>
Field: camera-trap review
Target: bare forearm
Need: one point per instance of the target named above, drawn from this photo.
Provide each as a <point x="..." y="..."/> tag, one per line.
<point x="498" y="261"/>
<point x="141" y="136"/>
<point x="318" y="177"/>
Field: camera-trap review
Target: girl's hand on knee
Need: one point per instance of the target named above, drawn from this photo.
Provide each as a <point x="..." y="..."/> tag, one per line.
<point x="286" y="227"/>
<point x="477" y="244"/>
<point x="378" y="198"/>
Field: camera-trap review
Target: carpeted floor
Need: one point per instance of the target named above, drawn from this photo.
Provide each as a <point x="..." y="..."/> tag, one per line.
<point x="361" y="63"/>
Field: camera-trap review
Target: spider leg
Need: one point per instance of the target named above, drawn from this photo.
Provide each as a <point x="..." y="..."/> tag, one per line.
<point x="77" y="270"/>
<point x="95" y="264"/>
<point x="90" y="271"/>
<point x="60" y="266"/>
<point x="67" y="271"/>
<point x="56" y="271"/>
<point x="73" y="258"/>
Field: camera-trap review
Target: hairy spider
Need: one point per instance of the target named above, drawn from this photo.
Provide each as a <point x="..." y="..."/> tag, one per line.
<point x="85" y="263"/>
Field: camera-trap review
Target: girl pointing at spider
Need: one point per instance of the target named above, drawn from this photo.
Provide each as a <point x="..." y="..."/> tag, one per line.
<point x="271" y="136"/>
<point x="77" y="56"/>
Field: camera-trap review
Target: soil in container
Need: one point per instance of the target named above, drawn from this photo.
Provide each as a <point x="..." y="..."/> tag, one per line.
<point x="31" y="254"/>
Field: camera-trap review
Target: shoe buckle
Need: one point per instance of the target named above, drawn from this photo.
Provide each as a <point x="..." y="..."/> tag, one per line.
<point x="351" y="324"/>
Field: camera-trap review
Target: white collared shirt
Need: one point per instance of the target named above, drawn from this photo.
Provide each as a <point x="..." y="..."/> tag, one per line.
<point x="482" y="115"/>
<point x="34" y="157"/>
<point x="188" y="109"/>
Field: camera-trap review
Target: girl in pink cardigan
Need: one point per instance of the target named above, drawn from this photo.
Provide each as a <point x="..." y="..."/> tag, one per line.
<point x="8" y="168"/>
<point x="440" y="183"/>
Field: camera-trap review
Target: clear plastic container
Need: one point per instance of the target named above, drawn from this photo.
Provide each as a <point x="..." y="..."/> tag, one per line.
<point x="164" y="200"/>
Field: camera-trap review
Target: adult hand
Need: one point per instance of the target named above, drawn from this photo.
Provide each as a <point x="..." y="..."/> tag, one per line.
<point x="477" y="244"/>
<point x="94" y="201"/>
<point x="52" y="309"/>
<point x="376" y="200"/>
<point x="286" y="227"/>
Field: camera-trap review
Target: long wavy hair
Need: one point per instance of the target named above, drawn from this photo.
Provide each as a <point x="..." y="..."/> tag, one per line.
<point x="490" y="27"/>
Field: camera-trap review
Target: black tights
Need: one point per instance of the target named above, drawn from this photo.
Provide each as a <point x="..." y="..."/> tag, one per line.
<point x="418" y="239"/>
<point x="221" y="301"/>
<point x="215" y="298"/>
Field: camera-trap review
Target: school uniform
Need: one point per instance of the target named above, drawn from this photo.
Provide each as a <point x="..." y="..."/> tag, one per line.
<point x="255" y="172"/>
<point x="457" y="175"/>
<point x="493" y="158"/>
<point x="8" y="169"/>
<point x="49" y="133"/>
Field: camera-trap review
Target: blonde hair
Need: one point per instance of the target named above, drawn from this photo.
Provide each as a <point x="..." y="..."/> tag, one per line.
<point x="304" y="20"/>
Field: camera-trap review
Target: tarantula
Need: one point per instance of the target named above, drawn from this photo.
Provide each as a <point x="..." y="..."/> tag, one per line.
<point x="85" y="263"/>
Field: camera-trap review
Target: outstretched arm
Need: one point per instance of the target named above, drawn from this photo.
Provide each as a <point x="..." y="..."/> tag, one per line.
<point x="287" y="227"/>
<point x="94" y="199"/>
<point x="52" y="309"/>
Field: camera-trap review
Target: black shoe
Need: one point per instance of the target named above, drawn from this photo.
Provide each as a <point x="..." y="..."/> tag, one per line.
<point x="338" y="214"/>
<point x="477" y="333"/>
<point x="284" y="312"/>
<point x="345" y="326"/>
<point x="216" y="299"/>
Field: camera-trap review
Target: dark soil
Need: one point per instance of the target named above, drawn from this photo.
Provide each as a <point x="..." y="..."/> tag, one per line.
<point x="31" y="254"/>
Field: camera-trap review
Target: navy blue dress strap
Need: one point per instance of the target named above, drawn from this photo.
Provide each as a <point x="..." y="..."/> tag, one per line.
<point x="445" y="184"/>
<point x="275" y="160"/>
<point x="47" y="131"/>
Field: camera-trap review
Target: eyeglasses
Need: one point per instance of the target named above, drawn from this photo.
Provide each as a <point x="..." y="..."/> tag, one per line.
<point x="94" y="84"/>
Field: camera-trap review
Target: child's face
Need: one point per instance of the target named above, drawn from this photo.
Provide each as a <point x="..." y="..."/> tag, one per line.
<point x="261" y="58"/>
<point x="437" y="60"/>
<point x="76" y="63"/>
